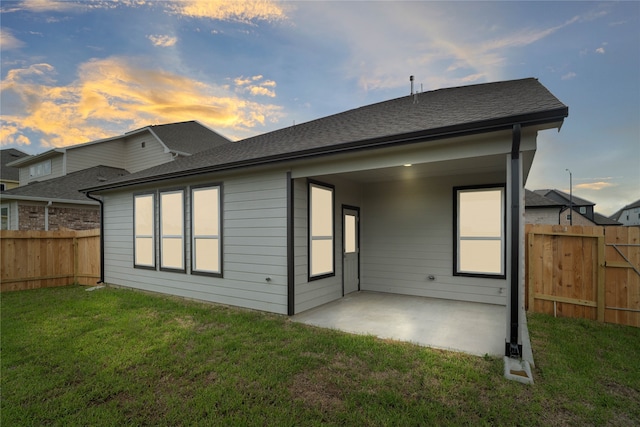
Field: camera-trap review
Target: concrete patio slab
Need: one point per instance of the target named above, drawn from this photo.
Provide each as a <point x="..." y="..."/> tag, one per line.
<point x="467" y="327"/>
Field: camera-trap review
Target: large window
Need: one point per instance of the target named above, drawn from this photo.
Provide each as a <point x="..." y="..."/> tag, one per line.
<point x="206" y="257"/>
<point x="40" y="169"/>
<point x="144" y="230"/>
<point x="480" y="231"/>
<point x="321" y="231"/>
<point x="172" y="230"/>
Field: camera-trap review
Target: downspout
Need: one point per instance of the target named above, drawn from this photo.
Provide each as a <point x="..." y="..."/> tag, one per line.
<point x="290" y="252"/>
<point x="514" y="350"/>
<point x="101" y="237"/>
<point x="46" y="215"/>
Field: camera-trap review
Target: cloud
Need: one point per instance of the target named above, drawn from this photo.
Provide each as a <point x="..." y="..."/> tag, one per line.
<point x="568" y="76"/>
<point x="245" y="11"/>
<point x="162" y="41"/>
<point x="595" y="185"/>
<point x="8" y="41"/>
<point x="43" y="6"/>
<point x="600" y="50"/>
<point x="113" y="95"/>
<point x="255" y="86"/>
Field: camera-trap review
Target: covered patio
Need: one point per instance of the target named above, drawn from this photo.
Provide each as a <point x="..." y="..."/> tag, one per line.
<point x="468" y="327"/>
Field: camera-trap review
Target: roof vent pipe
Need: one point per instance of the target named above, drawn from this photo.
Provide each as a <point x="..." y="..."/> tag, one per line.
<point x="411" y="80"/>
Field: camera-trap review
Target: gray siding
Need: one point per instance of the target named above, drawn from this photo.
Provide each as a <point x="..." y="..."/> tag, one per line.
<point x="137" y="158"/>
<point x="407" y="235"/>
<point x="254" y="247"/>
<point x="108" y="153"/>
<point x="309" y="294"/>
<point x="57" y="170"/>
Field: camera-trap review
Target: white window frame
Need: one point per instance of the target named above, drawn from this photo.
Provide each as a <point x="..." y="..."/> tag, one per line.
<point x="316" y="275"/>
<point x="195" y="236"/>
<point x="137" y="234"/>
<point x="459" y="237"/>
<point x="40" y="169"/>
<point x="169" y="232"/>
<point x="7" y="219"/>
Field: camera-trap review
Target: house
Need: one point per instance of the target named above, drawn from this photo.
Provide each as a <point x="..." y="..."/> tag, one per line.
<point x="32" y="205"/>
<point x="57" y="203"/>
<point x="420" y="195"/>
<point x="554" y="207"/>
<point x="629" y="215"/>
<point x="9" y="176"/>
<point x="540" y="209"/>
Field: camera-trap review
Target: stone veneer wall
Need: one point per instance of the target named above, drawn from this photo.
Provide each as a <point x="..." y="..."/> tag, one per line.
<point x="32" y="218"/>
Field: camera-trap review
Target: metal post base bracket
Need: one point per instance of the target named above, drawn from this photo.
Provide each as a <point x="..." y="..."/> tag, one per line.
<point x="517" y="370"/>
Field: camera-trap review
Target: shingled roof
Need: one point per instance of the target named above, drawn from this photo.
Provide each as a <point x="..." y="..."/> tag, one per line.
<point x="9" y="155"/>
<point x="564" y="198"/>
<point x="65" y="188"/>
<point x="188" y="137"/>
<point x="429" y="115"/>
<point x="535" y="200"/>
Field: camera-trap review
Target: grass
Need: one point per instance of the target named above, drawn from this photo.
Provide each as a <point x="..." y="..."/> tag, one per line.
<point x="121" y="357"/>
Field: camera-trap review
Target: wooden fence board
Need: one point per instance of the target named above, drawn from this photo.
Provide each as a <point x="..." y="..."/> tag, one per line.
<point x="37" y="259"/>
<point x="578" y="272"/>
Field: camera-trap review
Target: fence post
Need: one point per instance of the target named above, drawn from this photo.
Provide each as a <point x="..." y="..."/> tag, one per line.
<point x="530" y="277"/>
<point x="75" y="259"/>
<point x="601" y="279"/>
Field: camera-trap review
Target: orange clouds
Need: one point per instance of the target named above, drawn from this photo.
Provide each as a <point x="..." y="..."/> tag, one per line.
<point x="113" y="95"/>
<point x="255" y="86"/>
<point x="237" y="10"/>
<point x="594" y="185"/>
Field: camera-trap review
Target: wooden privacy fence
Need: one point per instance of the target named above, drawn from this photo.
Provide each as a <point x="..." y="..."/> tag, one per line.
<point x="588" y="272"/>
<point x="40" y="259"/>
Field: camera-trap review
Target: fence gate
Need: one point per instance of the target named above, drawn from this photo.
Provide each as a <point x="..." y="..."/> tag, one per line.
<point x="588" y="272"/>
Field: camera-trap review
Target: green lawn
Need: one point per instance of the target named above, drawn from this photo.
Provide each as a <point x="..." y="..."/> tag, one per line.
<point x="120" y="357"/>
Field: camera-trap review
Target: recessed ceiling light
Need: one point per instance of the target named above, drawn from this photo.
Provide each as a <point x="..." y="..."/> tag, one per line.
<point x="406" y="165"/>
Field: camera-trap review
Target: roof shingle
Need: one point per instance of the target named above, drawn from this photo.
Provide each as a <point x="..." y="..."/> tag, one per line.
<point x="428" y="114"/>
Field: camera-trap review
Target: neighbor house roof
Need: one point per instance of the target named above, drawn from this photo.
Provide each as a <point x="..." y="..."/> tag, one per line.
<point x="429" y="115"/>
<point x="184" y="138"/>
<point x="616" y="216"/>
<point x="65" y="188"/>
<point x="564" y="198"/>
<point x="187" y="137"/>
<point x="604" y="220"/>
<point x="535" y="200"/>
<point x="10" y="155"/>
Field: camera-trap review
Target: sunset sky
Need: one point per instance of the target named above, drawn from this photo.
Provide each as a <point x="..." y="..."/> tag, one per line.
<point x="77" y="71"/>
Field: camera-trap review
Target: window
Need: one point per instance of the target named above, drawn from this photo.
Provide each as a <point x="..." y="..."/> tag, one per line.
<point x="172" y="230"/>
<point x="4" y="218"/>
<point x="321" y="230"/>
<point x="480" y="231"/>
<point x="3" y="187"/>
<point x="144" y="231"/>
<point x="583" y="210"/>
<point x="206" y="227"/>
<point x="40" y="169"/>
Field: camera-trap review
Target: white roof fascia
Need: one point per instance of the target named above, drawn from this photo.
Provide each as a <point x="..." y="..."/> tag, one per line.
<point x="166" y="149"/>
<point x="36" y="157"/>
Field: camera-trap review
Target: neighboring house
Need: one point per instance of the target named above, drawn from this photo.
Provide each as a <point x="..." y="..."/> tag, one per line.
<point x="419" y="195"/>
<point x="629" y="215"/>
<point x="132" y="152"/>
<point x="9" y="176"/>
<point x="541" y="205"/>
<point x="541" y="210"/>
<point x="57" y="203"/>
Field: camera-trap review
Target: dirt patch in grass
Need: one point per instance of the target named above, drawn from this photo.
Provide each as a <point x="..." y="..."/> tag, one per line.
<point x="621" y="390"/>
